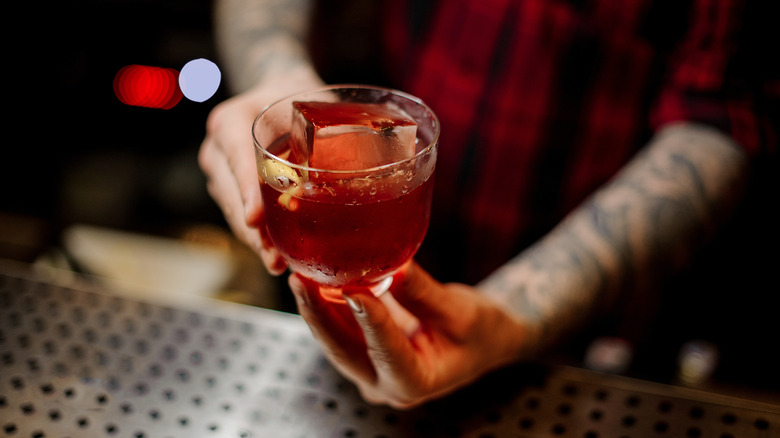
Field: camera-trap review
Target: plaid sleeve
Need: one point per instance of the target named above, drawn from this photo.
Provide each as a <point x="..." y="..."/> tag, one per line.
<point x="724" y="75"/>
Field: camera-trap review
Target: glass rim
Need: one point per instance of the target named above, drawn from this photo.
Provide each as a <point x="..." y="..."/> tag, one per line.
<point x="434" y="141"/>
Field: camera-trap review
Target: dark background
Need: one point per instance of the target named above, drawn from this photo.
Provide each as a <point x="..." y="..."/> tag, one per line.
<point x="72" y="151"/>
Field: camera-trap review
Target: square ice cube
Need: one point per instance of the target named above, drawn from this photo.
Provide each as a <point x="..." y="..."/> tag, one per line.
<point x="351" y="136"/>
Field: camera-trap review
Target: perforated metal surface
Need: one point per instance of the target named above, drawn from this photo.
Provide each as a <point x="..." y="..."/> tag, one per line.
<point x="78" y="362"/>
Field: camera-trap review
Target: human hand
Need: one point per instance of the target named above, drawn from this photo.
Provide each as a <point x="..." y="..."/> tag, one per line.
<point x="447" y="336"/>
<point x="227" y="158"/>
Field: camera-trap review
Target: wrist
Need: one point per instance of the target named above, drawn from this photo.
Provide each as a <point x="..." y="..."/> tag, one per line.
<point x="517" y="338"/>
<point x="524" y="338"/>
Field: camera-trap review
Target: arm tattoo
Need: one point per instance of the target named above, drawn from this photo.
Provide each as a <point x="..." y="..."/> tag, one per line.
<point x="645" y="222"/>
<point x="257" y="36"/>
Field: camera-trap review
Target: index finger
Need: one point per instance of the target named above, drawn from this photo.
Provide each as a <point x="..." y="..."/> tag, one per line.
<point x="333" y="325"/>
<point x="230" y="125"/>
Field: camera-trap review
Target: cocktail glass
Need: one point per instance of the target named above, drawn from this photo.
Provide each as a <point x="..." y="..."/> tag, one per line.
<point x="344" y="228"/>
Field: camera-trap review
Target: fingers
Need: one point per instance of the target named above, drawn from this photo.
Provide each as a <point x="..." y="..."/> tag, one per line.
<point x="405" y="320"/>
<point x="391" y="352"/>
<point x="333" y="325"/>
<point x="227" y="158"/>
<point x="230" y="126"/>
<point x="429" y="300"/>
<point x="223" y="189"/>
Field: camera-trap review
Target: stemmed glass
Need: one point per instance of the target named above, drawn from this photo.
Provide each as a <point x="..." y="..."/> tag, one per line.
<point x="341" y="227"/>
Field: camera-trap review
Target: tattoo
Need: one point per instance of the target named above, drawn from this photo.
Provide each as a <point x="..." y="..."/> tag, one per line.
<point x="647" y="221"/>
<point x="256" y="36"/>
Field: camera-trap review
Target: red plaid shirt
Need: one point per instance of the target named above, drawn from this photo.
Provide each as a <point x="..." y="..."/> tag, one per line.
<point x="540" y="102"/>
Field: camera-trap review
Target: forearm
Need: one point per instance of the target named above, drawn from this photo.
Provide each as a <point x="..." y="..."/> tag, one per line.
<point x="645" y="222"/>
<point x="261" y="39"/>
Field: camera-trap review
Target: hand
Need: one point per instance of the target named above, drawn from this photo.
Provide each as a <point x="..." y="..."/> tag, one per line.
<point x="447" y="336"/>
<point x="227" y="158"/>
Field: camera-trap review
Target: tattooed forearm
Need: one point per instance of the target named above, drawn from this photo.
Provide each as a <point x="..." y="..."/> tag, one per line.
<point x="648" y="220"/>
<point x="256" y="37"/>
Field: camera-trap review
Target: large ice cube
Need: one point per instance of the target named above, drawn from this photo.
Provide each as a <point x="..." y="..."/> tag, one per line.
<point x="351" y="136"/>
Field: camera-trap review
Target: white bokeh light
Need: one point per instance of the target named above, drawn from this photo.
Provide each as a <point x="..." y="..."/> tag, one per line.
<point x="199" y="79"/>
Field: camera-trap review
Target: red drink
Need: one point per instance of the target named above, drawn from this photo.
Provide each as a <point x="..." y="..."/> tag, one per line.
<point x="348" y="234"/>
<point x="346" y="176"/>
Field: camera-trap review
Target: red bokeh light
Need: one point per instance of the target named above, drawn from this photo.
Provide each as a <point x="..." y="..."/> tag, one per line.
<point x="147" y="86"/>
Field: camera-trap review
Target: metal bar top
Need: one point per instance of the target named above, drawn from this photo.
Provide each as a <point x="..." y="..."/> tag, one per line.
<point x="78" y="360"/>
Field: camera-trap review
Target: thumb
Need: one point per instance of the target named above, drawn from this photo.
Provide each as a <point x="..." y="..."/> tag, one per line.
<point x="421" y="294"/>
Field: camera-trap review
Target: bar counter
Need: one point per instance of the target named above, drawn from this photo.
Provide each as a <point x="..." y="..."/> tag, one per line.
<point x="80" y="360"/>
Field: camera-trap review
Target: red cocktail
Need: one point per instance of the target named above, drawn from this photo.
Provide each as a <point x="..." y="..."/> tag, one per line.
<point x="333" y="220"/>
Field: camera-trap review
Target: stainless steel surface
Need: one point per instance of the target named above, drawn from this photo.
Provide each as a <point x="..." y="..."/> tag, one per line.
<point x="79" y="361"/>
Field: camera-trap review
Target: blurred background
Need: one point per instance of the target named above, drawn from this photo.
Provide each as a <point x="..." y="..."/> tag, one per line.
<point x="87" y="180"/>
<point x="90" y="184"/>
<point x="82" y="155"/>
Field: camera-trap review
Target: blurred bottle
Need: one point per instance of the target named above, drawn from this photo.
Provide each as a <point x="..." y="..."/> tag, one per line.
<point x="696" y="362"/>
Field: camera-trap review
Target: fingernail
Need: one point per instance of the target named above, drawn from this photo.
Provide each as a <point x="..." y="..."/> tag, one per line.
<point x="354" y="304"/>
